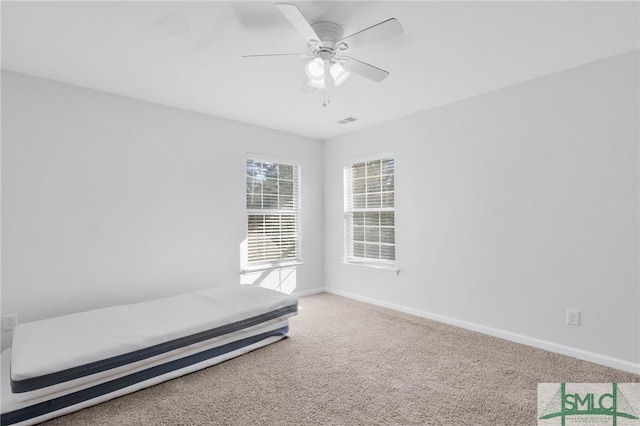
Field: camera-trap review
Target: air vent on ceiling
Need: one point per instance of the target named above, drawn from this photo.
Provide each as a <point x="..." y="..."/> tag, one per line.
<point x="347" y="120"/>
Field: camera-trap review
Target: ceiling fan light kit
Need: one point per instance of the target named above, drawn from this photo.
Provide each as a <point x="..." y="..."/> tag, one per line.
<point x="315" y="69"/>
<point x="339" y="74"/>
<point x="317" y="84"/>
<point x="325" y="42"/>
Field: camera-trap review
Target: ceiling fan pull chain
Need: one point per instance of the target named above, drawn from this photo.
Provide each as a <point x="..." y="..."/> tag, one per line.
<point x="327" y="96"/>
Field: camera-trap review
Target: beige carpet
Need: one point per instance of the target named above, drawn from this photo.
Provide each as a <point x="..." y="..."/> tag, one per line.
<point x="349" y="363"/>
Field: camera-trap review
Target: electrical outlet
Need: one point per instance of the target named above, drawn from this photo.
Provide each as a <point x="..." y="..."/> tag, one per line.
<point x="573" y="317"/>
<point x="9" y="322"/>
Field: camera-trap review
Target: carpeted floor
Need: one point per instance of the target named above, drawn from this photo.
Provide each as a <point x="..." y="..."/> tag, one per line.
<point x="349" y="363"/>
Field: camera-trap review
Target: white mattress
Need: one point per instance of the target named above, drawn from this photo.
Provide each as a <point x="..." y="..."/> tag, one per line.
<point x="63" y="364"/>
<point x="84" y="382"/>
<point x="50" y="346"/>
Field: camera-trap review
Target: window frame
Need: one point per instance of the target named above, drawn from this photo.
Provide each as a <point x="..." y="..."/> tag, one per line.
<point x="257" y="265"/>
<point x="350" y="210"/>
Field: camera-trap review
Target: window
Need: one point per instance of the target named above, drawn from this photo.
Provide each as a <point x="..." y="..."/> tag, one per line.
<point x="272" y="212"/>
<point x="369" y="213"/>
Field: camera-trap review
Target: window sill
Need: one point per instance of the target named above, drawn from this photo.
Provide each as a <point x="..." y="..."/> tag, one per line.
<point x="270" y="267"/>
<point x="380" y="266"/>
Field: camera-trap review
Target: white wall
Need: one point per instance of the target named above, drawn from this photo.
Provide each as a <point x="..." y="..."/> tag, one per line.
<point x="110" y="200"/>
<point x="512" y="207"/>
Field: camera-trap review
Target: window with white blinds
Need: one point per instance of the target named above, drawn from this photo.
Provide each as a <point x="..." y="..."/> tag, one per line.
<point x="272" y="211"/>
<point x="369" y="215"/>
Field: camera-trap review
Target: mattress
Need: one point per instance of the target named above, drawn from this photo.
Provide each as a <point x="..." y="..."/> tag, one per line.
<point x="64" y="364"/>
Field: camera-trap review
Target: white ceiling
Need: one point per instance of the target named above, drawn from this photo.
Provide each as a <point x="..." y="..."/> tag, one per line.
<point x="187" y="54"/>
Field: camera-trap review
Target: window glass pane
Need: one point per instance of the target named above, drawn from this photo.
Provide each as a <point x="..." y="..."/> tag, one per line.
<point x="358" y="218"/>
<point x="387" y="199"/>
<point x="358" y="170"/>
<point x="372" y="251"/>
<point x="358" y="250"/>
<point x="286" y="171"/>
<point x="257" y="187"/>
<point x="359" y="186"/>
<point x="269" y="201"/>
<point x="388" y="252"/>
<point x="373" y="200"/>
<point x="372" y="219"/>
<point x="373" y="168"/>
<point x="387" y="166"/>
<point x="286" y="202"/>
<point x="286" y="187"/>
<point x="359" y="201"/>
<point x="254" y="201"/>
<point x="271" y="170"/>
<point x="387" y="219"/>
<point x="387" y="235"/>
<point x="373" y="184"/>
<point x="270" y="186"/>
<point x="358" y="233"/>
<point x="250" y="201"/>
<point x="258" y="171"/>
<point x="249" y="184"/>
<point x="387" y="183"/>
<point x="372" y="235"/>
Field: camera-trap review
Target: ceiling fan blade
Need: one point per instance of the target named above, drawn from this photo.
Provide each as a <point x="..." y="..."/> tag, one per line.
<point x="226" y="22"/>
<point x="366" y="70"/>
<point x="297" y="19"/>
<point x="382" y="31"/>
<point x="269" y="55"/>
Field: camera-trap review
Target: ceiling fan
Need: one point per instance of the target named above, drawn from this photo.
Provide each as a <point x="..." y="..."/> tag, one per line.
<point x="326" y="45"/>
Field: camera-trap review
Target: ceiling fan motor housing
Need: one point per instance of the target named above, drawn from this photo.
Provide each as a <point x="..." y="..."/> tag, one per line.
<point x="330" y="33"/>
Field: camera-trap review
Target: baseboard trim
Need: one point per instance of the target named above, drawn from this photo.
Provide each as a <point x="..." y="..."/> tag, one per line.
<point x="308" y="292"/>
<point x="605" y="360"/>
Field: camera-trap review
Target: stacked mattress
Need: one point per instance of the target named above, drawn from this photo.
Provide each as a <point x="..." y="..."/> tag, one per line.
<point x="60" y="365"/>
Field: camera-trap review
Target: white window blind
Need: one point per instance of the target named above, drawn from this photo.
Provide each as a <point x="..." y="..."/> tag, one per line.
<point x="369" y="215"/>
<point x="272" y="211"/>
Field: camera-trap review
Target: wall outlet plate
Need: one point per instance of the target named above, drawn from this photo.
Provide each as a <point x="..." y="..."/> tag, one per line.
<point x="9" y="322"/>
<point x="573" y="317"/>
